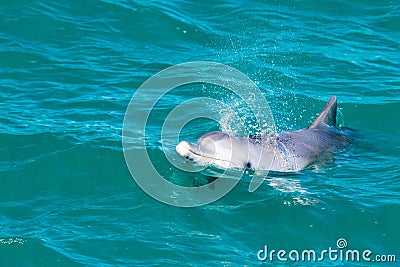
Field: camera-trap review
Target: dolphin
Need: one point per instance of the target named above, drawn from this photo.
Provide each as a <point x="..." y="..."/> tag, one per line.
<point x="287" y="151"/>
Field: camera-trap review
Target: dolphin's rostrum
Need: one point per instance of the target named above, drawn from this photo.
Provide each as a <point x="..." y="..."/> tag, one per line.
<point x="287" y="151"/>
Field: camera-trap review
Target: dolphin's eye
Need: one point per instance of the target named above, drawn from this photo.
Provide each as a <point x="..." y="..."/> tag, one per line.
<point x="188" y="158"/>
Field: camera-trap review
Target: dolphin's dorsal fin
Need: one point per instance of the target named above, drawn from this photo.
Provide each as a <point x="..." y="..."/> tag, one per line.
<point x="327" y="116"/>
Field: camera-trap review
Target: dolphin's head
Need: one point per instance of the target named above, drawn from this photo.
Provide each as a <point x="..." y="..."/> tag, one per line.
<point x="215" y="148"/>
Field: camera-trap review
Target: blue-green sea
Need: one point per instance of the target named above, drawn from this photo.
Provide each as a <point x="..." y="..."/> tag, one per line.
<point x="69" y="68"/>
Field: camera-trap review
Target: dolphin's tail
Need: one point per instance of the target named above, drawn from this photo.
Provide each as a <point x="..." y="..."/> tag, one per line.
<point x="327" y="116"/>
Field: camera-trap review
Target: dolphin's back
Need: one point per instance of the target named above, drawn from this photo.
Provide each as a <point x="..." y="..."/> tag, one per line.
<point x="307" y="145"/>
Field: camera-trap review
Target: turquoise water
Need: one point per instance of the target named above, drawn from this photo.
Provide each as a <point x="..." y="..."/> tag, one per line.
<point x="70" y="68"/>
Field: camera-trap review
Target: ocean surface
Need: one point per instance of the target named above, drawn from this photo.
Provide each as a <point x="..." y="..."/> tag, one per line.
<point x="68" y="70"/>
